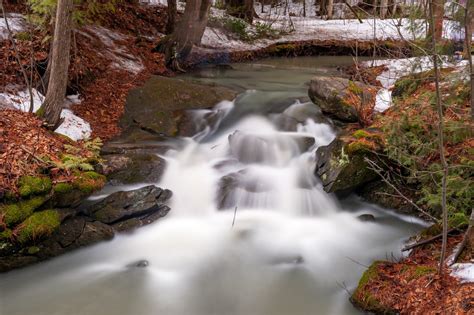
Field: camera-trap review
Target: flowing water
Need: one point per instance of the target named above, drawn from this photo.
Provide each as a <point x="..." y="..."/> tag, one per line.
<point x="251" y="231"/>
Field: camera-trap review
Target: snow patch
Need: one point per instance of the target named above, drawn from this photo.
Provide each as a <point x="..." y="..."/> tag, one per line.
<point x="464" y="272"/>
<point x="121" y="58"/>
<point x="73" y="126"/>
<point x="16" y="23"/>
<point x="383" y="100"/>
<point x="21" y="100"/>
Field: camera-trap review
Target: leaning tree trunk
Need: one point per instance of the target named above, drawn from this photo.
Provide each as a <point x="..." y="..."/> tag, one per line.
<point x="172" y="11"/>
<point x="58" y="79"/>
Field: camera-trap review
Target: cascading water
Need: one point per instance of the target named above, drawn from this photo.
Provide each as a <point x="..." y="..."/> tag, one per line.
<point x="250" y="232"/>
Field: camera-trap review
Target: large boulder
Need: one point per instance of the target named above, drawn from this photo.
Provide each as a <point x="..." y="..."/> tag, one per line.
<point x="331" y="95"/>
<point x="124" y="205"/>
<point x="159" y="106"/>
<point x="341" y="166"/>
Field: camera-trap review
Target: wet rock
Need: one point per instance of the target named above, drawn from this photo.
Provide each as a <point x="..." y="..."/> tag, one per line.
<point x="159" y="106"/>
<point x="139" y="264"/>
<point x="133" y="223"/>
<point x="330" y="94"/>
<point x="258" y="148"/>
<point x="133" y="168"/>
<point x="342" y="170"/>
<point x="366" y="217"/>
<point x="124" y="205"/>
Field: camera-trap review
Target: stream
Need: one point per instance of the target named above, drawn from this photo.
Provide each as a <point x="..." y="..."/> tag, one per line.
<point x="251" y="231"/>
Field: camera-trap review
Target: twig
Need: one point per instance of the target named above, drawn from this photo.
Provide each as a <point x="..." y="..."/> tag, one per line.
<point x="33" y="155"/>
<point x="355" y="261"/>
<point x="427" y="241"/>
<point x="373" y="166"/>
<point x="235" y="213"/>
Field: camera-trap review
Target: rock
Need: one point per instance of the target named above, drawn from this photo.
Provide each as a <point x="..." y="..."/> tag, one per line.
<point x="380" y="193"/>
<point x="366" y="217"/>
<point x="341" y="169"/>
<point x="124" y="205"/>
<point x="330" y="94"/>
<point x="139" y="264"/>
<point x="133" y="223"/>
<point x="133" y="168"/>
<point x="159" y="105"/>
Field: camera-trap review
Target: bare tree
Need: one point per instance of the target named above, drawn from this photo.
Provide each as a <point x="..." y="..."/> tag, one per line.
<point x="60" y="58"/>
<point x="172" y="11"/>
<point x="468" y="24"/>
<point x="436" y="18"/>
<point x="188" y="32"/>
<point x="439" y="108"/>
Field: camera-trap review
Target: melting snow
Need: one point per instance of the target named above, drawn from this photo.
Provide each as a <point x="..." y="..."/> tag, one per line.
<point x="16" y="23"/>
<point x="464" y="272"/>
<point x="73" y="126"/>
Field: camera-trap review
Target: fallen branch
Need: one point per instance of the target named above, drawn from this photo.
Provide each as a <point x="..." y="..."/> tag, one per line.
<point x="373" y="166"/>
<point x="467" y="234"/>
<point x="427" y="241"/>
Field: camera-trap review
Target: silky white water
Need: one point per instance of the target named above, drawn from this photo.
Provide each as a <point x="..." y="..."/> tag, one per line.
<point x="251" y="232"/>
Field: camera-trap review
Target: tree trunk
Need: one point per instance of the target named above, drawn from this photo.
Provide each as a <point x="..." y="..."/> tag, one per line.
<point x="243" y="9"/>
<point x="383" y="9"/>
<point x="172" y="11"/>
<point x="323" y="7"/>
<point x="330" y="8"/>
<point x="437" y="8"/>
<point x="440" y="130"/>
<point x="188" y="32"/>
<point x="468" y="24"/>
<point x="58" y="79"/>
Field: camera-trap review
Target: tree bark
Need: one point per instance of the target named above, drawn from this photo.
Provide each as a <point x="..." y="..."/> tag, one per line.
<point x="383" y="9"/>
<point x="58" y="79"/>
<point x="330" y="8"/>
<point x="188" y="32"/>
<point x="172" y="11"/>
<point x="444" y="164"/>
<point x="437" y="12"/>
<point x="468" y="24"/>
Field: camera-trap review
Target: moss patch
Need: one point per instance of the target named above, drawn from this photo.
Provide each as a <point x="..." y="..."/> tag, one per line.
<point x="37" y="226"/>
<point x="421" y="271"/>
<point x="16" y="213"/>
<point x="63" y="188"/>
<point x="362" y="297"/>
<point x="31" y="185"/>
<point x="88" y="182"/>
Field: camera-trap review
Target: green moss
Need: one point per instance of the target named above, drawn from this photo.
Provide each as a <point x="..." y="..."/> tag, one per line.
<point x="369" y="274"/>
<point x="361" y="134"/>
<point x="420" y="271"/>
<point x="354" y="88"/>
<point x="458" y="220"/>
<point x="6" y="234"/>
<point x="359" y="146"/>
<point x="23" y="36"/>
<point x="62" y="188"/>
<point x="40" y="224"/>
<point x="88" y="182"/>
<point x="18" y="212"/>
<point x="33" y="250"/>
<point x="31" y="185"/>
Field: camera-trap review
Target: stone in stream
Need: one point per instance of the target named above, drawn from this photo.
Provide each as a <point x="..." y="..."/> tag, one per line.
<point x="159" y="105"/>
<point x="133" y="168"/>
<point x="366" y="217"/>
<point x="330" y="94"/>
<point x="124" y="205"/>
<point x="342" y="168"/>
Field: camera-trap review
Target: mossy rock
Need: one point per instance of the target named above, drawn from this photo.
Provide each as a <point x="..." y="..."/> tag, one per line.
<point x="88" y="182"/>
<point x="34" y="185"/>
<point x="363" y="299"/>
<point x="343" y="171"/>
<point x="37" y="226"/>
<point x="18" y="212"/>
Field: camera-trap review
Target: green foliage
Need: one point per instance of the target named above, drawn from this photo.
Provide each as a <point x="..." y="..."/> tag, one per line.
<point x="73" y="160"/>
<point x="238" y="27"/>
<point x="6" y="235"/>
<point x="40" y="224"/>
<point x="16" y="213"/>
<point x="62" y="188"/>
<point x="242" y="30"/>
<point x="31" y="185"/>
<point x="264" y="30"/>
<point x="85" y="11"/>
<point x="458" y="220"/>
